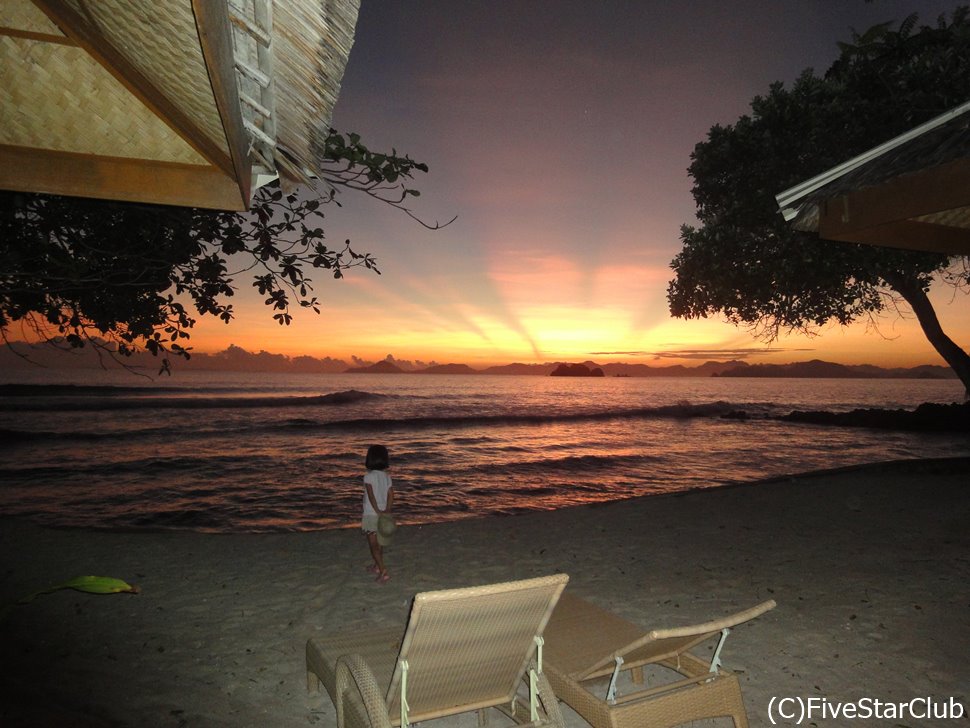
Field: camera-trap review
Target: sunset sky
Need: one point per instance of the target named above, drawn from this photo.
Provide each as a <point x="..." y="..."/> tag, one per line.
<point x="559" y="133"/>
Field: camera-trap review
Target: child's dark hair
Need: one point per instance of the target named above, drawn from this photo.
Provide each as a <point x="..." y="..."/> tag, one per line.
<point x="377" y="458"/>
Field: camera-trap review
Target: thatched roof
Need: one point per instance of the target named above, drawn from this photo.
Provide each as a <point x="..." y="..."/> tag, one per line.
<point x="183" y="102"/>
<point x="910" y="192"/>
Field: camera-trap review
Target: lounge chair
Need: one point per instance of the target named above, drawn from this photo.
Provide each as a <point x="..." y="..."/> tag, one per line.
<point x="587" y="645"/>
<point x="463" y="650"/>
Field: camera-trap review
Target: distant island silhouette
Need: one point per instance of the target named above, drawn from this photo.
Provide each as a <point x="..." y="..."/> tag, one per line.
<point x="576" y="370"/>
<point x="235" y="358"/>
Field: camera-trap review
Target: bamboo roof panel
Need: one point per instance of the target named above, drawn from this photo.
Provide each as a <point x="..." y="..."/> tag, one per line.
<point x="57" y="97"/>
<point x="24" y="15"/>
<point x="160" y="40"/>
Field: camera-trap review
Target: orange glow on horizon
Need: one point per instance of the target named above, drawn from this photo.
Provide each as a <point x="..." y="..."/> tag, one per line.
<point x="462" y="333"/>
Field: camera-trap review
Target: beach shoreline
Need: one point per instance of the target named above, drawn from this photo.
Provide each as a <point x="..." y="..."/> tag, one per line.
<point x="870" y="566"/>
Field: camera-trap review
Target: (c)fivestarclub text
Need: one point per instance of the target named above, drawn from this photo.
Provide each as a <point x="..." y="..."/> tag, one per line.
<point x="798" y="709"/>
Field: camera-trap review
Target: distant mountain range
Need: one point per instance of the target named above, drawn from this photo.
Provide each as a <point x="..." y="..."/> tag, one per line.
<point x="814" y="369"/>
<point x="236" y="358"/>
<point x="563" y="368"/>
<point x="817" y="369"/>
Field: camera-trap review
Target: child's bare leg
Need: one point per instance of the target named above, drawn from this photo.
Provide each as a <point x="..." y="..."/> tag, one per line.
<point x="376" y="551"/>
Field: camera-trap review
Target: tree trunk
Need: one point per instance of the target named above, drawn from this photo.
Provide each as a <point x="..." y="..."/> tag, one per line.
<point x="910" y="289"/>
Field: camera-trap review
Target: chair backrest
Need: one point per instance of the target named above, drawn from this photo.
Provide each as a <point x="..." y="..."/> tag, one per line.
<point x="662" y="644"/>
<point x="585" y="639"/>
<point x="469" y="648"/>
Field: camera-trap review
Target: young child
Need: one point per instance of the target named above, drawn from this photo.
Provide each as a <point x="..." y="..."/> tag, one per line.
<point x="378" y="499"/>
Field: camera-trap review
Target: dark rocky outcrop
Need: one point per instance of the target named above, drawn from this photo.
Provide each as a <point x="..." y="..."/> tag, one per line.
<point x="929" y="417"/>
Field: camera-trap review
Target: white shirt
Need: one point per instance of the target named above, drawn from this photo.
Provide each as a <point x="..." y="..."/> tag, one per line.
<point x="380" y="483"/>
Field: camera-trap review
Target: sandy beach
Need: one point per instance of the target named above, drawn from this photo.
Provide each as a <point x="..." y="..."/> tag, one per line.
<point x="870" y="568"/>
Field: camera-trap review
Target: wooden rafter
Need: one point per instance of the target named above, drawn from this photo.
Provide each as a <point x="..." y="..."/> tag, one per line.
<point x="215" y="36"/>
<point x="33" y="35"/>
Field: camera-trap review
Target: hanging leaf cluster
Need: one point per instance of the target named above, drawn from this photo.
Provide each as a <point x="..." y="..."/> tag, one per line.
<point x="127" y="277"/>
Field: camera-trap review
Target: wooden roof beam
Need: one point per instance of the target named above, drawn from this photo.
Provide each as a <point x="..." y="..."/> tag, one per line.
<point x="132" y="180"/>
<point x="909" y="235"/>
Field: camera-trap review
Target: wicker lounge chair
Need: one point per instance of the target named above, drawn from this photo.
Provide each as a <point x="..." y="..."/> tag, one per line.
<point x="463" y="649"/>
<point x="587" y="649"/>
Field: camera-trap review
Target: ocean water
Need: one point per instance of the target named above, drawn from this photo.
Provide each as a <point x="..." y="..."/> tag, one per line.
<point x="233" y="452"/>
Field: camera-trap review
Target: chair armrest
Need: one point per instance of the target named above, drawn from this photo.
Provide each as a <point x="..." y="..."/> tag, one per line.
<point x="553" y="714"/>
<point x="715" y="626"/>
<point x="353" y="670"/>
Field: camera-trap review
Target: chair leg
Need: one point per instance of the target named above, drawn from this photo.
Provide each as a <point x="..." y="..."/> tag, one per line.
<point x="482" y="717"/>
<point x="313" y="683"/>
<point x="636" y="675"/>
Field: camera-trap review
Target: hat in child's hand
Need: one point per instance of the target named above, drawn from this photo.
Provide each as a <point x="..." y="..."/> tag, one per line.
<point x="385" y="528"/>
